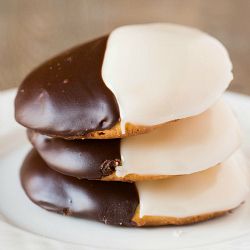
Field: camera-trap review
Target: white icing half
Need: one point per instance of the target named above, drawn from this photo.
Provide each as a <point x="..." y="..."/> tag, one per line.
<point x="162" y="72"/>
<point x="183" y="147"/>
<point x="217" y="189"/>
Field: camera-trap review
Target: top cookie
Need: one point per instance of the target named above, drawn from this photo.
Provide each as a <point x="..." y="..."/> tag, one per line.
<point x="127" y="83"/>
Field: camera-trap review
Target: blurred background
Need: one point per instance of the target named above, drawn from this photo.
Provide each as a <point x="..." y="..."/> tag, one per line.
<point x="31" y="31"/>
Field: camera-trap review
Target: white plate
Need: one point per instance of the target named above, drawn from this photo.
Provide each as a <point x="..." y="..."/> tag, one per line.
<point x="229" y="232"/>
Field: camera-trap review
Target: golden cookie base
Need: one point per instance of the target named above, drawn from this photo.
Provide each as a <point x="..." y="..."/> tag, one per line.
<point x="150" y="221"/>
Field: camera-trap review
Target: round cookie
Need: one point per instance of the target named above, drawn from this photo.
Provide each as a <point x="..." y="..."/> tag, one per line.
<point x="112" y="87"/>
<point x="184" y="147"/>
<point x="150" y="203"/>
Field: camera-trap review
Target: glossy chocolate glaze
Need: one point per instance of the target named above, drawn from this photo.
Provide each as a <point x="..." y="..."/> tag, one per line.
<point x="112" y="203"/>
<point x="89" y="159"/>
<point x="66" y="96"/>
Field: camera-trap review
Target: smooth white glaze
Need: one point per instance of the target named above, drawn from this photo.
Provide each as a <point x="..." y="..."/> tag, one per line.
<point x="162" y="72"/>
<point x="217" y="189"/>
<point x="183" y="147"/>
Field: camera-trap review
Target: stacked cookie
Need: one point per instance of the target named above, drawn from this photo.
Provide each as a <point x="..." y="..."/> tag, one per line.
<point x="130" y="129"/>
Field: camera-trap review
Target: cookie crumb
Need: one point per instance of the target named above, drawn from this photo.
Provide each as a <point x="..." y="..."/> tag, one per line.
<point x="69" y="59"/>
<point x="66" y="211"/>
<point x="177" y="233"/>
<point x="109" y="166"/>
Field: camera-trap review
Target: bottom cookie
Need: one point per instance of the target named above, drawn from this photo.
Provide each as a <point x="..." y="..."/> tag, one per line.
<point x="177" y="201"/>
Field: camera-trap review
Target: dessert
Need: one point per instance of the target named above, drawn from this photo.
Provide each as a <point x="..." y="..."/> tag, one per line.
<point x="127" y="83"/>
<point x="178" y="200"/>
<point x="130" y="129"/>
<point x="169" y="150"/>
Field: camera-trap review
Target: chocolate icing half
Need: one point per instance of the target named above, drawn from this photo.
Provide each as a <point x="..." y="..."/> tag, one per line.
<point x="89" y="159"/>
<point x="66" y="96"/>
<point x="108" y="202"/>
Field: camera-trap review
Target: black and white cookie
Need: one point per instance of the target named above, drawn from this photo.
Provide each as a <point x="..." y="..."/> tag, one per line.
<point x="184" y="147"/>
<point x="126" y="83"/>
<point x="178" y="200"/>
